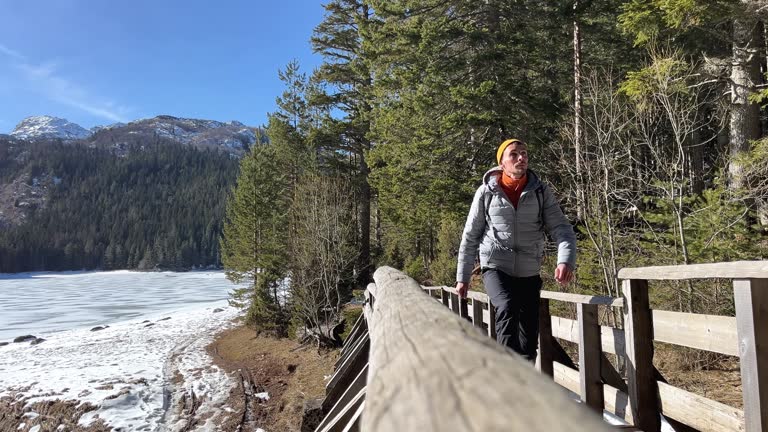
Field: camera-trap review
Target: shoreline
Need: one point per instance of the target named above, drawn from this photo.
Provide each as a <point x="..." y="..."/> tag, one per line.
<point x="225" y="377"/>
<point x="65" y="273"/>
<point x="43" y="304"/>
<point x="129" y="371"/>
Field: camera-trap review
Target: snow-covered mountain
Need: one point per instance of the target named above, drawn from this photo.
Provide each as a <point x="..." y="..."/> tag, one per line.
<point x="233" y="137"/>
<point x="48" y="127"/>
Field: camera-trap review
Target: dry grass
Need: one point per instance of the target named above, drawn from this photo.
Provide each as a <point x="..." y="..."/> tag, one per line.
<point x="711" y="375"/>
<point x="50" y="415"/>
<point x="291" y="374"/>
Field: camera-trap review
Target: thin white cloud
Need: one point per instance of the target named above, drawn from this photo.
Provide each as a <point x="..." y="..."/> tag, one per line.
<point x="9" y="52"/>
<point x="45" y="80"/>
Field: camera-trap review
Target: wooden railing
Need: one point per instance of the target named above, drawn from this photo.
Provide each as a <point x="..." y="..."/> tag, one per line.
<point x="411" y="365"/>
<point x="745" y="335"/>
<point x="428" y="370"/>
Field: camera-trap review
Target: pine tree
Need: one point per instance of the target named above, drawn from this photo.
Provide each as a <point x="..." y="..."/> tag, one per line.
<point x="727" y="33"/>
<point x="347" y="81"/>
<point x="253" y="242"/>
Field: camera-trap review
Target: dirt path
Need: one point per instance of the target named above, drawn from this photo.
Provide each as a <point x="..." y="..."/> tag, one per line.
<point x="292" y="376"/>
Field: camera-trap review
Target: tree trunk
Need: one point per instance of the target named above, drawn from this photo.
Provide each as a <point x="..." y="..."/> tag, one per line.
<point x="696" y="163"/>
<point x="745" y="74"/>
<point x="577" y="110"/>
<point x="364" y="225"/>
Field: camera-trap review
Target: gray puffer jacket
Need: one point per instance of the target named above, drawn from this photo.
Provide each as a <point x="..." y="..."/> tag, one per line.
<point x="512" y="240"/>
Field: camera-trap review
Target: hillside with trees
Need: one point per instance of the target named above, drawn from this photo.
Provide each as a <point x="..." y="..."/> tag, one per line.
<point x="155" y="205"/>
<point x="645" y="116"/>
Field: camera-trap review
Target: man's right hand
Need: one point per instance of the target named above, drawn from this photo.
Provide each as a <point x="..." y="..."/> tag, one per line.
<point x="462" y="288"/>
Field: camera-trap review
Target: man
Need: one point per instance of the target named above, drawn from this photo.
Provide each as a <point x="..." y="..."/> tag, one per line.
<point x="509" y="214"/>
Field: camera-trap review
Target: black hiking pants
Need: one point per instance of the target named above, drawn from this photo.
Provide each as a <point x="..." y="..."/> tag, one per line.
<point x="516" y="300"/>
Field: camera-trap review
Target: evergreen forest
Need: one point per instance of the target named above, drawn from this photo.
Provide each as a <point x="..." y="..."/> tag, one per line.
<point x="647" y="117"/>
<point x="155" y="206"/>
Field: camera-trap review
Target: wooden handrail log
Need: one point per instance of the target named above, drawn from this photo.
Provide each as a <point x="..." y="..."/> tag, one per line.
<point x="372" y="289"/>
<point x="430" y="370"/>
<point x="726" y="270"/>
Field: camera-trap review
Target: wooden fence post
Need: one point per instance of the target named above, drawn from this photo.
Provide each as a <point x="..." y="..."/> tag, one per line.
<point x="545" y="339"/>
<point x="751" y="301"/>
<point x="477" y="313"/>
<point x="638" y="329"/>
<point x="464" y="309"/>
<point x="455" y="303"/>
<point x="590" y="350"/>
<point x="446" y="297"/>
<point x="491" y="320"/>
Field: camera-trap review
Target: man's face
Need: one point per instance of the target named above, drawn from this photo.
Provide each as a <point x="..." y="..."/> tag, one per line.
<point x="514" y="160"/>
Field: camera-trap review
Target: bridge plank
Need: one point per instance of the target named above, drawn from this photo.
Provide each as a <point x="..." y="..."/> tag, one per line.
<point x="566" y="377"/>
<point x="483" y="297"/>
<point x="420" y="350"/>
<point x="350" y="392"/>
<point x="726" y="270"/>
<point x="611" y="338"/>
<point x="354" y="422"/>
<point x="582" y="298"/>
<point x="616" y="401"/>
<point x="706" y="332"/>
<point x="699" y="412"/>
<point x="354" y="335"/>
<point x="347" y="372"/>
<point x="346" y="415"/>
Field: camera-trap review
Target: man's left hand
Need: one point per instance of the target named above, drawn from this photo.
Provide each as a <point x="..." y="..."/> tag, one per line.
<point x="563" y="274"/>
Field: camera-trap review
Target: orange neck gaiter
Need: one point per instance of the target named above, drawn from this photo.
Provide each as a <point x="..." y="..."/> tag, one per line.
<point x="513" y="187"/>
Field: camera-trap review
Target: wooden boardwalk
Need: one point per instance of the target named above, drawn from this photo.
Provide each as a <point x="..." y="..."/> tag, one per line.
<point x="417" y="362"/>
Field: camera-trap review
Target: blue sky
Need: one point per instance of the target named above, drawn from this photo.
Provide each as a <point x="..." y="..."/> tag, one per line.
<point x="97" y="62"/>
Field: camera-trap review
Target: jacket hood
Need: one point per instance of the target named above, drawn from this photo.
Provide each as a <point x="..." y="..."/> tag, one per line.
<point x="491" y="179"/>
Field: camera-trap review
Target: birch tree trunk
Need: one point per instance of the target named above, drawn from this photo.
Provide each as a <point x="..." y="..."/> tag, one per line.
<point x="745" y="74"/>
<point x="577" y="110"/>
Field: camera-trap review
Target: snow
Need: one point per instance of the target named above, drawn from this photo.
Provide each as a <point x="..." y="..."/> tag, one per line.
<point x="107" y="127"/>
<point x="137" y="369"/>
<point x="123" y="369"/>
<point x="49" y="127"/>
<point x="88" y="299"/>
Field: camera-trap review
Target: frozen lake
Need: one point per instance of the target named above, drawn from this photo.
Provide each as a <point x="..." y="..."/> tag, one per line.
<point x="139" y="369"/>
<point x="35" y="303"/>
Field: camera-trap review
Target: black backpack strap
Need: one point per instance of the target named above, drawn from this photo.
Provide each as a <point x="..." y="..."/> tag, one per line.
<point x="487" y="197"/>
<point x="540" y="199"/>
